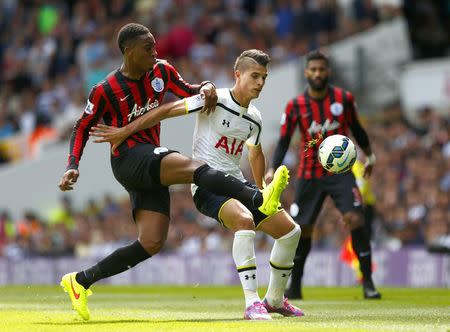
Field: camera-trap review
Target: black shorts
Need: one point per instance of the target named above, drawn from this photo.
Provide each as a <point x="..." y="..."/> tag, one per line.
<point x="310" y="195"/>
<point x="138" y="171"/>
<point x="210" y="205"/>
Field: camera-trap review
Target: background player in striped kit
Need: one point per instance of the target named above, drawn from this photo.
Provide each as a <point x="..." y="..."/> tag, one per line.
<point x="320" y="111"/>
<point x="218" y="140"/>
<point x="141" y="166"/>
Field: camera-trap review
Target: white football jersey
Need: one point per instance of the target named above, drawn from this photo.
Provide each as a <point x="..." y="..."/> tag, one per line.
<point x="220" y="136"/>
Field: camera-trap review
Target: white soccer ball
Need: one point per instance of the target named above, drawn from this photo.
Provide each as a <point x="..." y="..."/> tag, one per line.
<point x="337" y="154"/>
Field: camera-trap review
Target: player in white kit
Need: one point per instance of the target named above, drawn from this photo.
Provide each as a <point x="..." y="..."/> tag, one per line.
<point x="219" y="140"/>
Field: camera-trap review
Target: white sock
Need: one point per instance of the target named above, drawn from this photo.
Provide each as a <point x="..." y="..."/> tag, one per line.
<point x="244" y="258"/>
<point x="281" y="263"/>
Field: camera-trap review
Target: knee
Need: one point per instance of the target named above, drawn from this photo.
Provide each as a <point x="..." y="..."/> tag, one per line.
<point x="152" y="246"/>
<point x="244" y="221"/>
<point x="293" y="235"/>
<point x="353" y="220"/>
<point x="297" y="232"/>
<point x="196" y="164"/>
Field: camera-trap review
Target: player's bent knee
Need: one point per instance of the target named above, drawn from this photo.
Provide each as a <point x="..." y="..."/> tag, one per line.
<point x="353" y="219"/>
<point x="243" y="222"/>
<point x="294" y="234"/>
<point x="153" y="246"/>
<point x="196" y="164"/>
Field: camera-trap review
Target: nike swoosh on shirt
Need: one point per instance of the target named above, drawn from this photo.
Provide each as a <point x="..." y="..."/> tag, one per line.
<point x="77" y="295"/>
<point x="122" y="99"/>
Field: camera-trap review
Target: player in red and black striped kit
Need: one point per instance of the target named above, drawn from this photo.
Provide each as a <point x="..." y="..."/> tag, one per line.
<point x="140" y="164"/>
<point x="324" y="110"/>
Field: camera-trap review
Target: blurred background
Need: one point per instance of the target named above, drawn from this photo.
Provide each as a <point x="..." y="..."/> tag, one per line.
<point x="393" y="55"/>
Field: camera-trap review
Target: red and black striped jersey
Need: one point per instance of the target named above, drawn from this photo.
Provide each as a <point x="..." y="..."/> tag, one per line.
<point x="118" y="100"/>
<point x="317" y="119"/>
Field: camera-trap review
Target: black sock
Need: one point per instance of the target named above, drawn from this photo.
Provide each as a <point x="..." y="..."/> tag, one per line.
<point x="222" y="184"/>
<point x="369" y="212"/>
<point x="361" y="246"/>
<point x="120" y="260"/>
<point x="303" y="249"/>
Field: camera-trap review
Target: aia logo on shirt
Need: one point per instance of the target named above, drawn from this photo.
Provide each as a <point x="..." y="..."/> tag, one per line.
<point x="229" y="145"/>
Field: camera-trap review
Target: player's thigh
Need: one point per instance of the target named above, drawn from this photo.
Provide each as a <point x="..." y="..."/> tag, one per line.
<point x="152" y="227"/>
<point x="346" y="196"/>
<point x="277" y="225"/>
<point x="138" y="169"/>
<point x="156" y="199"/>
<point x="215" y="206"/>
<point x="177" y="168"/>
<point x="235" y="216"/>
<point x="309" y="198"/>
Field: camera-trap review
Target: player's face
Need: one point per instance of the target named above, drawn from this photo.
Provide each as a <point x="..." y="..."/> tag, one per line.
<point x="143" y="53"/>
<point x="252" y="80"/>
<point x="317" y="73"/>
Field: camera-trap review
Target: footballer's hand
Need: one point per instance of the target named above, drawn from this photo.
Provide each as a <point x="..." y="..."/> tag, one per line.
<point x="368" y="166"/>
<point x="368" y="171"/>
<point x="69" y="178"/>
<point x="269" y="176"/>
<point x="111" y="134"/>
<point x="209" y="94"/>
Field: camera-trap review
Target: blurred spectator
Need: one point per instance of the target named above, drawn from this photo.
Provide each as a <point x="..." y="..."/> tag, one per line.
<point x="50" y="49"/>
<point x="365" y="12"/>
<point x="428" y="22"/>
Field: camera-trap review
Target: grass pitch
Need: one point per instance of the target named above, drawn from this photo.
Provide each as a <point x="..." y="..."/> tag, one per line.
<point x="47" y="308"/>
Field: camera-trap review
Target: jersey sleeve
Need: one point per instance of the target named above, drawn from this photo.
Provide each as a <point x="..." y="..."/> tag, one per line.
<point x="177" y="85"/>
<point x="255" y="131"/>
<point x="94" y="110"/>
<point x="193" y="104"/>
<point x="288" y="120"/>
<point x="351" y="116"/>
<point x="287" y="128"/>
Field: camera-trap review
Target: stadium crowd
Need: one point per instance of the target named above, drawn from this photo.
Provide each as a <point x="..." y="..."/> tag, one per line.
<point x="51" y="52"/>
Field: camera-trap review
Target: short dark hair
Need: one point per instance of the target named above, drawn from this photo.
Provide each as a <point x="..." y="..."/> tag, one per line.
<point x="317" y="55"/>
<point x="129" y="32"/>
<point x="243" y="60"/>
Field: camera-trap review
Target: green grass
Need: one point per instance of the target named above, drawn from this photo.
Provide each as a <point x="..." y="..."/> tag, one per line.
<point x="46" y="308"/>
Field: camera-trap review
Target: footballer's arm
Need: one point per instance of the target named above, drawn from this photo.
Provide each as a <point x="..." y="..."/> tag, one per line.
<point x="361" y="137"/>
<point x="257" y="162"/>
<point x="116" y="135"/>
<point x="278" y="156"/>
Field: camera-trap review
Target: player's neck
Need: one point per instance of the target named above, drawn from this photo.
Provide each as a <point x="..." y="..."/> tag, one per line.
<point x="130" y="72"/>
<point x="317" y="94"/>
<point x="240" y="97"/>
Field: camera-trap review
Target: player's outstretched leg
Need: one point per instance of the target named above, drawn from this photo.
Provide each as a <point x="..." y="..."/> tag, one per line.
<point x="272" y="192"/>
<point x="77" y="293"/>
<point x="222" y="184"/>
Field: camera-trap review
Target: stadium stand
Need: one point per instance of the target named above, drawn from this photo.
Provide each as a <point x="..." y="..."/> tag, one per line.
<point x="51" y="53"/>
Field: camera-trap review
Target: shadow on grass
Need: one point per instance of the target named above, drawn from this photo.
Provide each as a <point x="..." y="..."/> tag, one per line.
<point x="133" y="321"/>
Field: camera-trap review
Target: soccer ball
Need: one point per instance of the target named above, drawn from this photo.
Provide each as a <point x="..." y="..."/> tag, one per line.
<point x="337" y="154"/>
